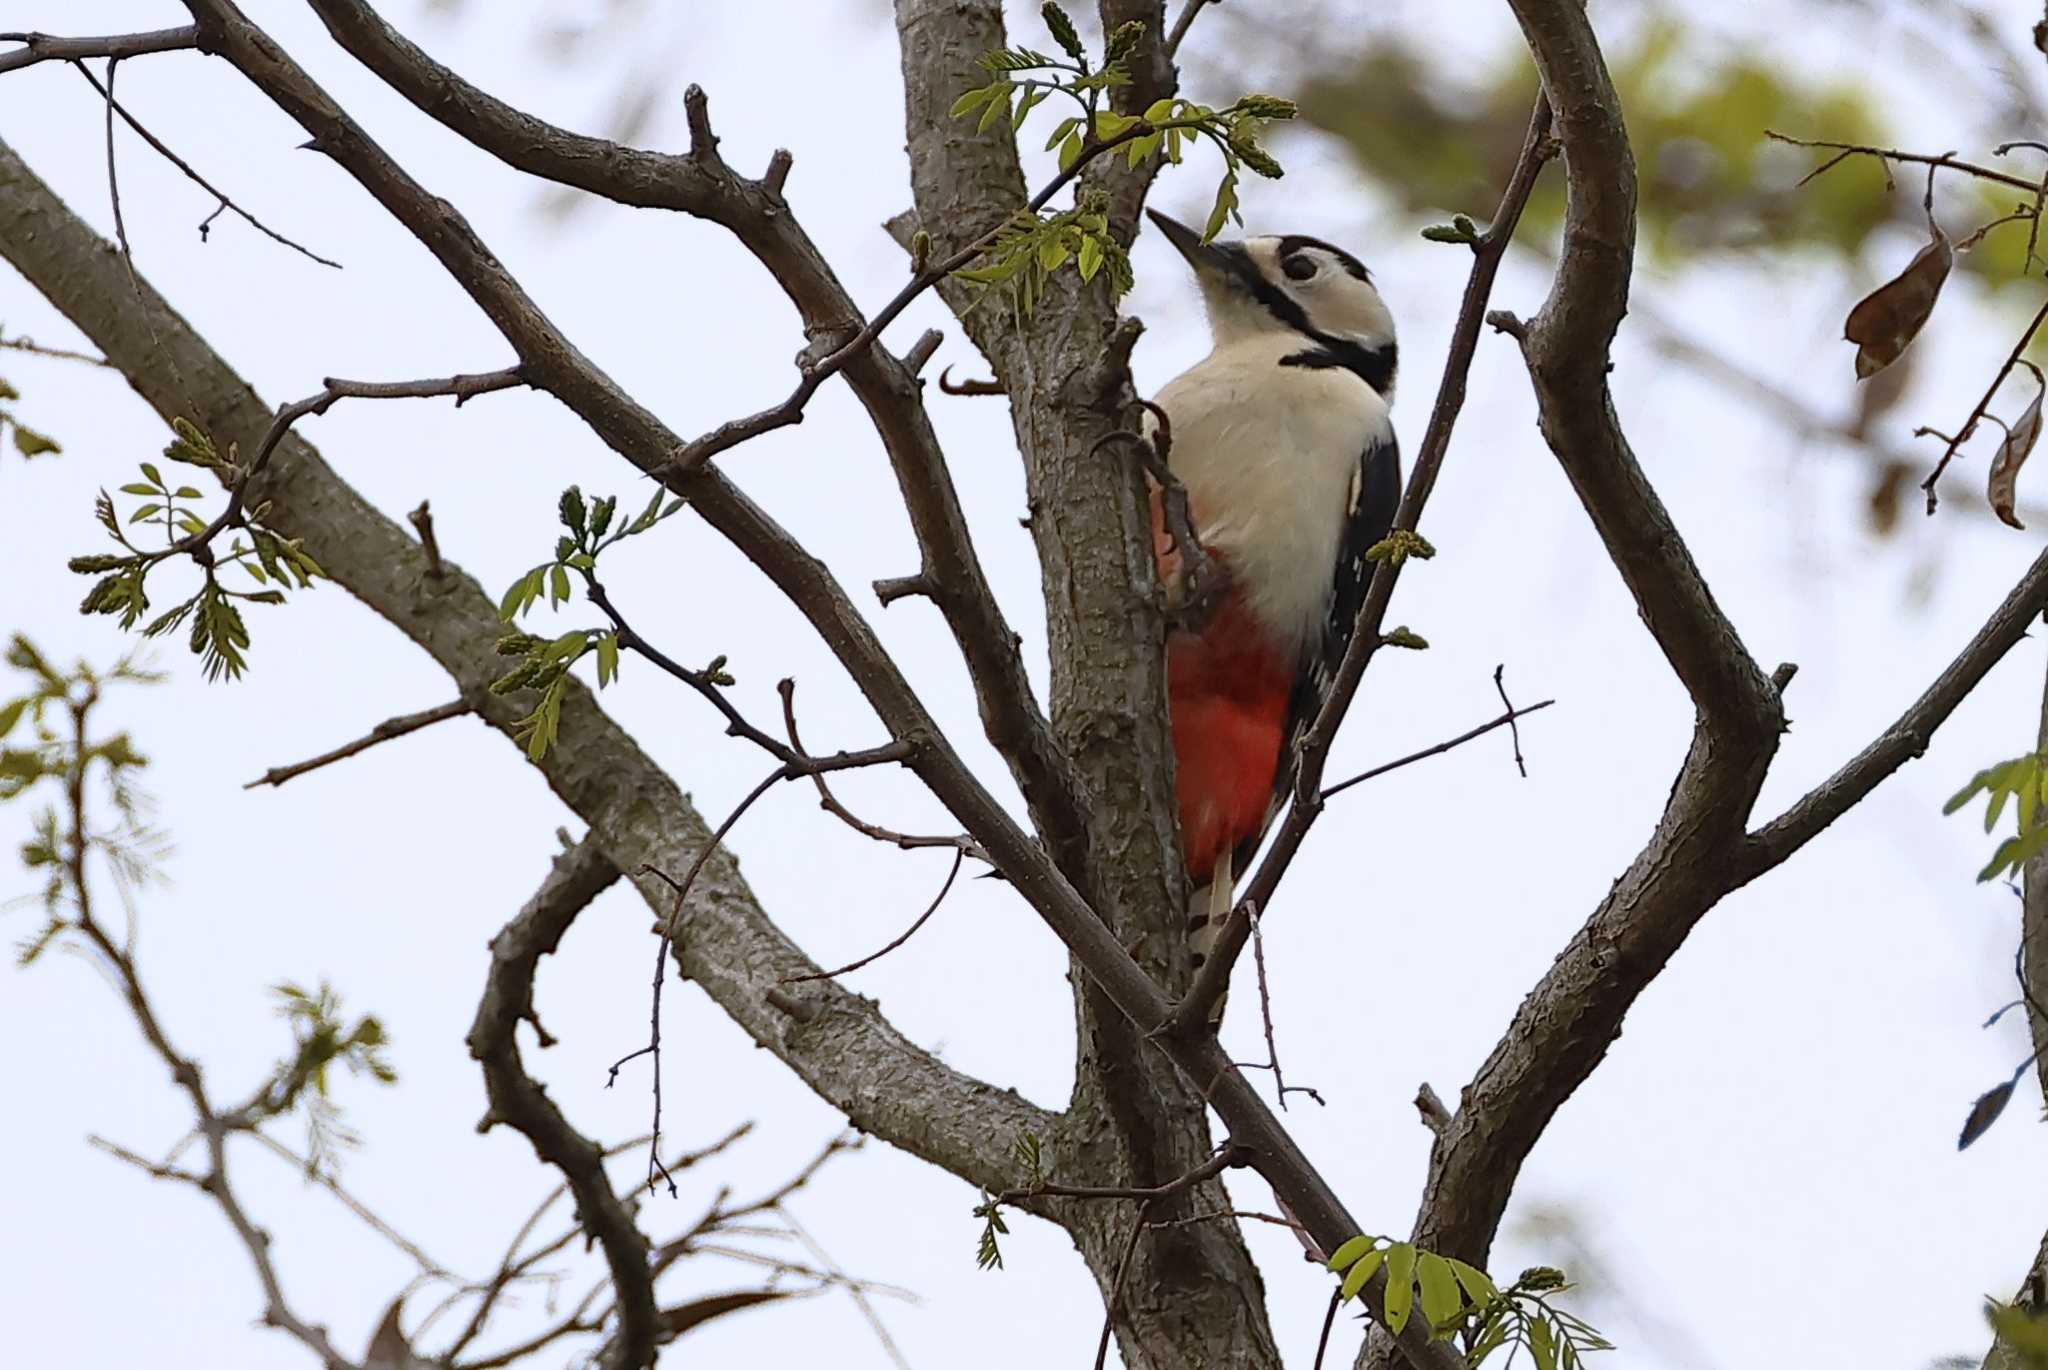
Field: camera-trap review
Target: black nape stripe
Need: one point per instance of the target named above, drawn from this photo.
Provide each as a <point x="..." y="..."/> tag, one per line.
<point x="1373" y="365"/>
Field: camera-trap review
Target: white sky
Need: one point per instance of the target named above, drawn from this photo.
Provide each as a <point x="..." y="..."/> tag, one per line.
<point x="1766" y="1159"/>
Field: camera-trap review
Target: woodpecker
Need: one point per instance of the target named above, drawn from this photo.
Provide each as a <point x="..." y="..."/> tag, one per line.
<point x="1282" y="438"/>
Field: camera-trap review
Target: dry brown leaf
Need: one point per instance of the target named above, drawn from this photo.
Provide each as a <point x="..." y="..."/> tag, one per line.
<point x="2014" y="451"/>
<point x="1884" y="323"/>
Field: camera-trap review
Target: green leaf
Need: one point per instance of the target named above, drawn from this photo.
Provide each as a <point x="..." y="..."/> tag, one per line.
<point x="974" y="99"/>
<point x="1478" y="1287"/>
<point x="155" y="476"/>
<point x="1070" y="150"/>
<point x="1361" y="1270"/>
<point x="1225" y="209"/>
<point x="998" y="106"/>
<point x="1108" y="124"/>
<point x="516" y="597"/>
<point x="1542" y="1344"/>
<point x="558" y="586"/>
<point x="1400" y="1285"/>
<point x="10" y="714"/>
<point x="1033" y="95"/>
<point x="607" y="659"/>
<point x="30" y="443"/>
<point x="1062" y="29"/>
<point x="138" y="488"/>
<point x="144" y="512"/>
<point x="1440" y="1299"/>
<point x="187" y="492"/>
<point x="1090" y="258"/>
<point x="572" y="510"/>
<point x="1350" y="1252"/>
<point x="1060" y="132"/>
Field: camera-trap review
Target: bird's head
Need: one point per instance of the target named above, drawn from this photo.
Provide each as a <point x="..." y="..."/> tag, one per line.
<point x="1292" y="286"/>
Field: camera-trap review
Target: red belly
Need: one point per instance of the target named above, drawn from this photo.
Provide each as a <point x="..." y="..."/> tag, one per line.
<point x="1228" y="690"/>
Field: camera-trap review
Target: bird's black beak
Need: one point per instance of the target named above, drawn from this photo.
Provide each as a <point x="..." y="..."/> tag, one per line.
<point x="1206" y="258"/>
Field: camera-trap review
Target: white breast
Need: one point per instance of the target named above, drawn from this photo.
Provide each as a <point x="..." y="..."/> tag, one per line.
<point x="1269" y="455"/>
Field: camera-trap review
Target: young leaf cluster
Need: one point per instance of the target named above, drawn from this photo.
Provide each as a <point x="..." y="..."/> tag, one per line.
<point x="1027" y="1153"/>
<point x="544" y="663"/>
<point x="273" y="562"/>
<point x="48" y="756"/>
<point x="1026" y="251"/>
<point x="27" y="440"/>
<point x="322" y="1038"/>
<point x="2023" y="780"/>
<point x="1459" y="1300"/>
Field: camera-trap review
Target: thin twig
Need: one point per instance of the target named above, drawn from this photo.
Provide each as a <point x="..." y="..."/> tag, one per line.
<point x="383" y="732"/>
<point x="1329" y="1321"/>
<point x="1506" y="720"/>
<point x="1266" y="1014"/>
<point x="1945" y="161"/>
<point x="829" y="802"/>
<point x="1116" y="1285"/>
<point x="1970" y="425"/>
<point x="1182" y="24"/>
<point x="422" y="520"/>
<point x="462" y="387"/>
<point x="958" y="858"/>
<point x="1514" y="729"/>
<point x="307" y="1171"/>
<point x="36" y="349"/>
<point x="225" y="203"/>
<point x="797" y="765"/>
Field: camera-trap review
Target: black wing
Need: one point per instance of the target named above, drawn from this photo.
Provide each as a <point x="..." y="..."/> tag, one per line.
<point x="1375" y="499"/>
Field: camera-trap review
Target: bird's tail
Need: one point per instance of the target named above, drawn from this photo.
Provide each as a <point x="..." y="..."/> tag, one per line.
<point x="1208" y="910"/>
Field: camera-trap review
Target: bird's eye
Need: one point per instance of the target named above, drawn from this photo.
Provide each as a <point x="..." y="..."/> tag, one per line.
<point x="1299" y="268"/>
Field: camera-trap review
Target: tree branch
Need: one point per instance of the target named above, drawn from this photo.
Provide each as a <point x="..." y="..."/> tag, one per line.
<point x="48" y="47"/>
<point x="579" y="876"/>
<point x="1908" y="737"/>
<point x="1567" y="348"/>
<point x="383" y="732"/>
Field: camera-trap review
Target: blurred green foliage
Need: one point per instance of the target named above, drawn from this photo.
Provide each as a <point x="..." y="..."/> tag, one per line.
<point x="1710" y="180"/>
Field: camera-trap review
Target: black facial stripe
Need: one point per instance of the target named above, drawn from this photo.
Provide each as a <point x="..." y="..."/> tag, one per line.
<point x="1295" y="242"/>
<point x="1373" y="365"/>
